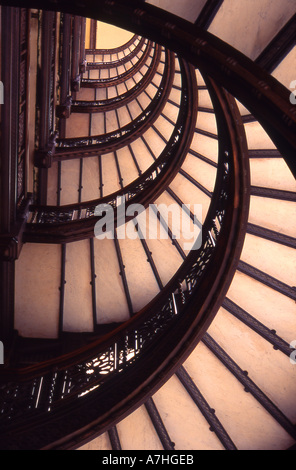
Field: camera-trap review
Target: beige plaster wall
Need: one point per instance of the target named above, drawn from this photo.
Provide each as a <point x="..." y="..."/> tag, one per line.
<point x="38" y="281"/>
<point x="247" y="423"/>
<point x="286" y="71"/>
<point x="187" y="9"/>
<point x="249" y="25"/>
<point x="37" y="294"/>
<point x="110" y="37"/>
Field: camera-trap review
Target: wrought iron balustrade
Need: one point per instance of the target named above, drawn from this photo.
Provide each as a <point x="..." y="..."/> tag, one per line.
<point x="139" y="50"/>
<point x="128" y="71"/>
<point x="206" y="273"/>
<point x="45" y="392"/>
<point x="104" y="105"/>
<point x="125" y="48"/>
<point x="100" y="143"/>
<point x="150" y="183"/>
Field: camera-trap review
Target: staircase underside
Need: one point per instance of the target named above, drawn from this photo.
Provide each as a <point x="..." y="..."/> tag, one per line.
<point x="229" y="381"/>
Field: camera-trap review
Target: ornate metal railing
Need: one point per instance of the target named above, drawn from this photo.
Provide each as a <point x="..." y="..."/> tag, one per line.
<point x="121" y="99"/>
<point x="104" y="64"/>
<point x="43" y="394"/>
<point x="120" y="78"/>
<point x="77" y="221"/>
<point x="101" y="143"/>
<point x="125" y="47"/>
<point x="61" y="148"/>
<point x="138" y="357"/>
<point x="266" y="99"/>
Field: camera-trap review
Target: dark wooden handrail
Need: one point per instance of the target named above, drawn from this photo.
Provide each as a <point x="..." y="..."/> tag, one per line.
<point x="115" y="50"/>
<point x="108" y="65"/>
<point x="143" y="190"/>
<point x="124" y="99"/>
<point x="110" y="82"/>
<point x="267" y="99"/>
<point x="269" y="103"/>
<point x="176" y="334"/>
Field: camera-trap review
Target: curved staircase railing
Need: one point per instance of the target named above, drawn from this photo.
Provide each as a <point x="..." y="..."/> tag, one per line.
<point x="111" y="141"/>
<point x="117" y="79"/>
<point x="142" y="354"/>
<point x="52" y="224"/>
<point x="132" y="42"/>
<point x="266" y="99"/>
<point x="104" y="64"/>
<point x="170" y="325"/>
<point x="79" y="106"/>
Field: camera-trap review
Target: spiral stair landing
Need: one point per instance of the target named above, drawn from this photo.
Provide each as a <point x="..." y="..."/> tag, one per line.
<point x="87" y="289"/>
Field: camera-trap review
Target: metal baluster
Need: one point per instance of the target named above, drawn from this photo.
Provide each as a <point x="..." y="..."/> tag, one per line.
<point x="62" y="287"/>
<point x="101" y="175"/>
<point x="93" y="282"/>
<point x="123" y="275"/>
<point x="114" y="439"/>
<point x="159" y="425"/>
<point x="206" y="410"/>
<point x="250" y="386"/>
<point x="168" y="230"/>
<point x="148" y="254"/>
<point x="135" y="159"/>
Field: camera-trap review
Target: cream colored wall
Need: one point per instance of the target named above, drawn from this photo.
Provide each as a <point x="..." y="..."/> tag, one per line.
<point x="274" y="214"/>
<point x="110" y="37"/>
<point x="249" y="25"/>
<point x="78" y="300"/>
<point x="286" y="71"/>
<point x="111" y="300"/>
<point x="187" y="9"/>
<point x="87" y="33"/>
<point x="100" y="443"/>
<point x="37" y="283"/>
<point x="247" y="423"/>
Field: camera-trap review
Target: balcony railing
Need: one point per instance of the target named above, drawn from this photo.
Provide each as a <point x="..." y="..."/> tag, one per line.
<point x="174" y="320"/>
<point x="78" y="220"/>
<point x="54" y="404"/>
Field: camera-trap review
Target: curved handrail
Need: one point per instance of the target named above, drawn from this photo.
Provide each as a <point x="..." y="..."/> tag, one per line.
<point x="115" y="50"/>
<point x="123" y="99"/>
<point x="267" y="100"/>
<point x="70" y="148"/>
<point x="55" y="224"/>
<point x="139" y="383"/>
<point x="161" y="327"/>
<point x="128" y="58"/>
<point x="112" y="81"/>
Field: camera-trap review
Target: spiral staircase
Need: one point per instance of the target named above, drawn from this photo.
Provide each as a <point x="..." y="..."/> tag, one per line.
<point x="183" y="339"/>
